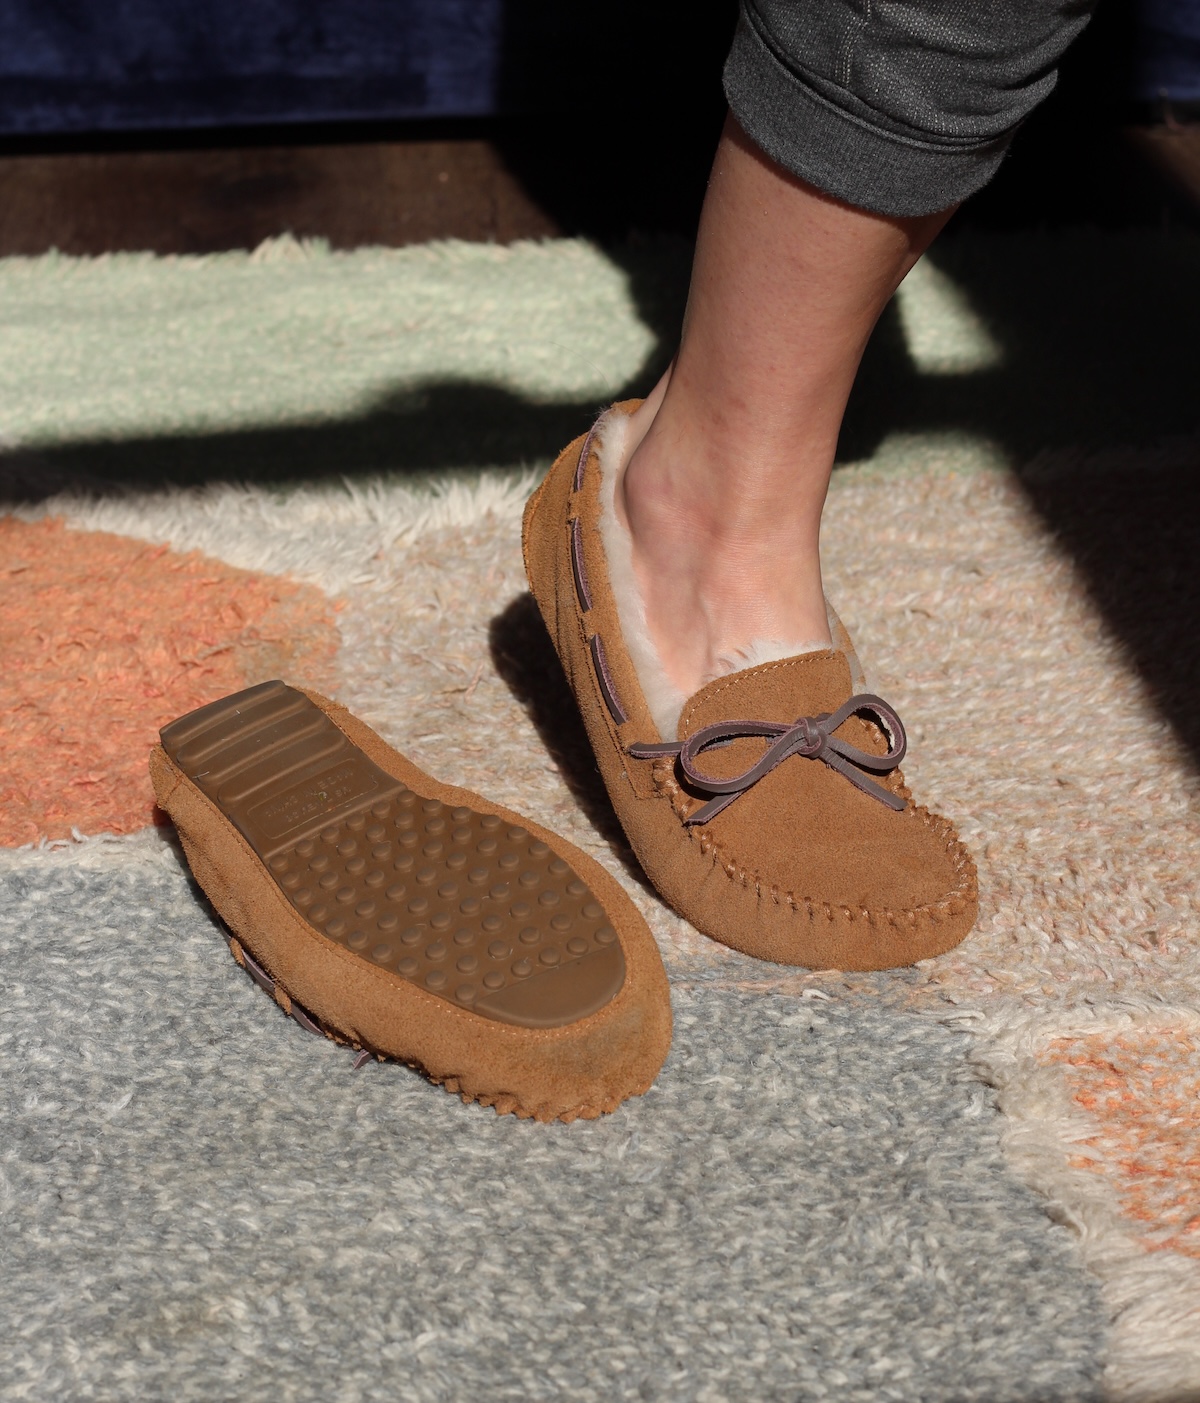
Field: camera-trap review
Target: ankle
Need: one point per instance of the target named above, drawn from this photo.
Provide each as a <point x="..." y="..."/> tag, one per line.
<point x="718" y="477"/>
<point x="690" y="520"/>
<point x="717" y="579"/>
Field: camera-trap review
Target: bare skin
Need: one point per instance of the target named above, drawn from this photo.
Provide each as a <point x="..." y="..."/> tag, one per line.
<point x="724" y="491"/>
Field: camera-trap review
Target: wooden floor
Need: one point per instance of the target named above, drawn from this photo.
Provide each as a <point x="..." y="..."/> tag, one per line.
<point x="475" y="186"/>
<point x="199" y="201"/>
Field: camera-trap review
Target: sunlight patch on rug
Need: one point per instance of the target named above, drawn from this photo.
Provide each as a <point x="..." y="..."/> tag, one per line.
<point x="104" y="639"/>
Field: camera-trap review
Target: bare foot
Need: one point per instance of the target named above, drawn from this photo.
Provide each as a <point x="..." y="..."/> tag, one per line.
<point x="721" y="573"/>
<point x="723" y="492"/>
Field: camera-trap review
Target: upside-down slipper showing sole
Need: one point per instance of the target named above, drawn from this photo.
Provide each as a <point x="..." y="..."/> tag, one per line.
<point x="768" y="808"/>
<point x="411" y="918"/>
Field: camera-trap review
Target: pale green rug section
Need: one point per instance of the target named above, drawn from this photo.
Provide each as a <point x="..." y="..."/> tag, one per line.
<point x="297" y="363"/>
<point x="293" y="334"/>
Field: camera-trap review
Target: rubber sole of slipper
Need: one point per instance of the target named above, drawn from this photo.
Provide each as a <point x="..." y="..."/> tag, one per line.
<point x="464" y="907"/>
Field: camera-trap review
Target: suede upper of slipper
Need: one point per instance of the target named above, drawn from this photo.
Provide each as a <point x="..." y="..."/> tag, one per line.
<point x="802" y="867"/>
<point x="803" y="828"/>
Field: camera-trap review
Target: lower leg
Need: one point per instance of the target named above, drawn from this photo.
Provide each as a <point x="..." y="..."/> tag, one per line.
<point x="724" y="490"/>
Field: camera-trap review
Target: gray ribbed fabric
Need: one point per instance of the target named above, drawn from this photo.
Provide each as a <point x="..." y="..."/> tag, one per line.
<point x="899" y="106"/>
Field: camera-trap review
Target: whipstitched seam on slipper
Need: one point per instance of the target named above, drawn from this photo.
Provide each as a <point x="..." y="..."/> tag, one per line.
<point x="949" y="905"/>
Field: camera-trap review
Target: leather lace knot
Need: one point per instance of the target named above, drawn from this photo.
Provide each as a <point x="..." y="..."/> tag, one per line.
<point x="811" y="737"/>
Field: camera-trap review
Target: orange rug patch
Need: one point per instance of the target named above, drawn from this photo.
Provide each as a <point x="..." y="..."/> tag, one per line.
<point x="1144" y="1090"/>
<point x="104" y="639"/>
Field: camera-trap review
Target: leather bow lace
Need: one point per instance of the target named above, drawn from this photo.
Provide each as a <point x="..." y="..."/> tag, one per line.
<point x="809" y="736"/>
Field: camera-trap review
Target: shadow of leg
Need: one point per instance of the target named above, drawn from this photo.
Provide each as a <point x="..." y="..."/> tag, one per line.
<point x="525" y="658"/>
<point x="1133" y="535"/>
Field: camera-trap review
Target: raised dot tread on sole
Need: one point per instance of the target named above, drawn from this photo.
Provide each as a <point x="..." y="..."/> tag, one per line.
<point x="464" y="905"/>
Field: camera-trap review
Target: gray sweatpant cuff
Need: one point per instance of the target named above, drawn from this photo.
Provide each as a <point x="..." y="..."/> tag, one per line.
<point x="838" y="151"/>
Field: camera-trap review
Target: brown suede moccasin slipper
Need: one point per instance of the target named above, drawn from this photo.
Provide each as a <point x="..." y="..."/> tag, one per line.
<point x="410" y="918"/>
<point x="768" y="808"/>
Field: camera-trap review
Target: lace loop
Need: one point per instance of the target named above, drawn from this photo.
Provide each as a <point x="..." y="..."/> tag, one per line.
<point x="811" y="737"/>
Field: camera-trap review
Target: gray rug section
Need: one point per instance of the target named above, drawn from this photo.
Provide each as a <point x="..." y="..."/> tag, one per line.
<point x="201" y="1201"/>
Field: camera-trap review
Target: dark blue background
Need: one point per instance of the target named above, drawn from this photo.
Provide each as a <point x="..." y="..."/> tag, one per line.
<point x="113" y="65"/>
<point x="87" y="65"/>
<point x="1168" y="61"/>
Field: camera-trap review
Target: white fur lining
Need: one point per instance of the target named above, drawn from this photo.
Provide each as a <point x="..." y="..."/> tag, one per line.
<point x="663" y="698"/>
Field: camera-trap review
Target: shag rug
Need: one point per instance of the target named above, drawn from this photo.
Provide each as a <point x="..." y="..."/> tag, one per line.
<point x="978" y="1179"/>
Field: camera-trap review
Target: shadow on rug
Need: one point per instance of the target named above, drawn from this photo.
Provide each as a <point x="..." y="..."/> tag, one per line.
<point x="1084" y="345"/>
<point x="525" y="659"/>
